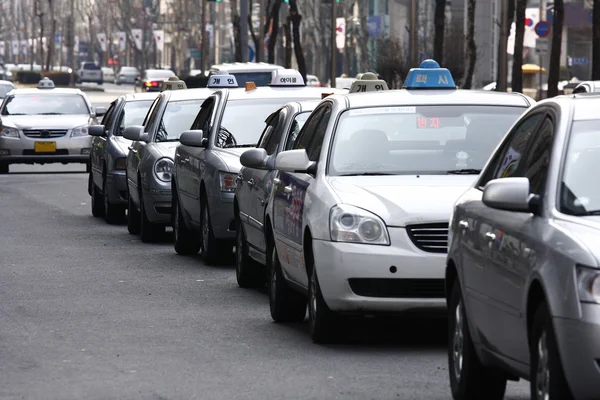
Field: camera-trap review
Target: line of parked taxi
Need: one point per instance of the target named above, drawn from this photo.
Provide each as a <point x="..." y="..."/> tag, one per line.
<point x="372" y="201"/>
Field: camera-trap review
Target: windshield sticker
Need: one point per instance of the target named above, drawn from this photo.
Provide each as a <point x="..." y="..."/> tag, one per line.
<point x="383" y="110"/>
<point x="428" y="123"/>
<point x="461" y="155"/>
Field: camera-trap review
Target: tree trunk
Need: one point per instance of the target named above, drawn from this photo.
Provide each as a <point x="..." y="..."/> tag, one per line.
<point x="471" y="46"/>
<point x="274" y="19"/>
<point x="502" y="46"/>
<point x="38" y="12"/>
<point x="440" y="25"/>
<point x="557" y="27"/>
<point x="235" y="21"/>
<point x="296" y="19"/>
<point x="596" y="42"/>
<point x="517" y="68"/>
<point x="288" y="44"/>
<point x="363" y="37"/>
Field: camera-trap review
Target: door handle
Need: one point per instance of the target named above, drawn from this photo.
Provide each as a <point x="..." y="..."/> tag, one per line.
<point x="276" y="181"/>
<point x="185" y="160"/>
<point x="287" y="189"/>
<point x="490" y="236"/>
<point x="262" y="201"/>
<point x="463" y="224"/>
<point x="238" y="179"/>
<point x="250" y="182"/>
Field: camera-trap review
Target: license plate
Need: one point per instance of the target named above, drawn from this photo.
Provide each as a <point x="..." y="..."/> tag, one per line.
<point x="45" y="147"/>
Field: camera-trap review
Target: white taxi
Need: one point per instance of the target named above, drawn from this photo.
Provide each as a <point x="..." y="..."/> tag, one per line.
<point x="360" y="210"/>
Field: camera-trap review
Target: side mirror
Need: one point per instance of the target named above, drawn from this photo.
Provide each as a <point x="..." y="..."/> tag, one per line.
<point x="96" y="130"/>
<point x="295" y="161"/>
<point x="100" y="111"/>
<point x="193" y="138"/>
<point x="133" y="132"/>
<point x="254" y="158"/>
<point x="509" y="194"/>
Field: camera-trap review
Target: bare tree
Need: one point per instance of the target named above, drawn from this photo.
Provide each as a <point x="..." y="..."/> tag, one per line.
<point x="596" y="41"/>
<point x="390" y="62"/>
<point x="557" y="27"/>
<point x="502" y="46"/>
<point x="235" y="21"/>
<point x="272" y="23"/>
<point x="363" y="36"/>
<point x="439" y="25"/>
<point x="51" y="36"/>
<point x="454" y="56"/>
<point x="295" y="19"/>
<point x="471" y="53"/>
<point x="517" y="67"/>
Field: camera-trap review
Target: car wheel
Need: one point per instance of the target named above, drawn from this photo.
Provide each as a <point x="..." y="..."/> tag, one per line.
<point x="469" y="378"/>
<point x="149" y="232"/>
<point x="97" y="201"/>
<point x="113" y="213"/>
<point x="548" y="380"/>
<point x="184" y="240"/>
<point x="213" y="250"/>
<point x="88" y="167"/>
<point x="285" y="303"/>
<point x="248" y="272"/>
<point x="133" y="217"/>
<point x="322" y="322"/>
<point x="3" y="168"/>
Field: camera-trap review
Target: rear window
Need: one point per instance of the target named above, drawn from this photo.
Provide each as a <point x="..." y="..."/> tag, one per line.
<point x="90" y="66"/>
<point x="259" y="78"/>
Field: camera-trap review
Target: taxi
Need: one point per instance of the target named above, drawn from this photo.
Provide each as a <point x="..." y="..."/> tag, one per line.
<point x="358" y="221"/>
<point x="207" y="160"/>
<point x="149" y="162"/>
<point x="244" y="72"/>
<point x="46" y="125"/>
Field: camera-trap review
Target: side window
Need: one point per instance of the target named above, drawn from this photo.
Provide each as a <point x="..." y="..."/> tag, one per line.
<point x="270" y="137"/>
<point x="108" y="118"/>
<point x="507" y="160"/>
<point x="305" y="134"/>
<point x="538" y="157"/>
<point x="203" y="119"/>
<point x="151" y="112"/>
<point x="314" y="147"/>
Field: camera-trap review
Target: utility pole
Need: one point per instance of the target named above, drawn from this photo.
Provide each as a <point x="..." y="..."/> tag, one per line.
<point x="244" y="29"/>
<point x="501" y="85"/>
<point x="71" y="40"/>
<point x="333" y="42"/>
<point x="260" y="52"/>
<point x="413" y="33"/>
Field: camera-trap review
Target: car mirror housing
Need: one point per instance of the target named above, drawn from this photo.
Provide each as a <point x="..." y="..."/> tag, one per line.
<point x="254" y="158"/>
<point x="193" y="138"/>
<point x="295" y="161"/>
<point x="134" y="132"/>
<point x="509" y="194"/>
<point x="96" y="130"/>
<point x="100" y="111"/>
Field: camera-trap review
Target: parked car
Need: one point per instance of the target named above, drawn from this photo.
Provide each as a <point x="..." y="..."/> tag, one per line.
<point x="587" y="87"/>
<point x="126" y="75"/>
<point x="152" y="79"/>
<point x="89" y="72"/>
<point x="258" y="73"/>
<point x="108" y="74"/>
<point x="5" y="87"/>
<point x="312" y="80"/>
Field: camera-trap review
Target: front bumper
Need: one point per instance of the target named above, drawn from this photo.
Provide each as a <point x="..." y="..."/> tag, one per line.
<point x="157" y="204"/>
<point x="221" y="215"/>
<point x="116" y="184"/>
<point x="579" y="346"/>
<point x="21" y="150"/>
<point x="359" y="277"/>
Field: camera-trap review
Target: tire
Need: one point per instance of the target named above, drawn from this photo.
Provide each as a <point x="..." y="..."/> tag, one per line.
<point x="113" y="213"/>
<point x="543" y="339"/>
<point x="469" y="378"/>
<point x="133" y="217"/>
<point x="88" y="167"/>
<point x="97" y="201"/>
<point x="285" y="303"/>
<point x="213" y="250"/>
<point x="249" y="273"/>
<point x="149" y="232"/>
<point x="185" y="240"/>
<point x="4" y="168"/>
<point x="322" y="322"/>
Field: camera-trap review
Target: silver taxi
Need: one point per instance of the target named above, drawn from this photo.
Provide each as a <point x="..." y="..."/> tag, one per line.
<point x="207" y="161"/>
<point x="360" y="211"/>
<point x="107" y="183"/>
<point x="46" y="125"/>
<point x="523" y="268"/>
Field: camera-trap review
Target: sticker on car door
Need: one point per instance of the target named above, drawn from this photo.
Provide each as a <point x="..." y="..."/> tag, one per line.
<point x="289" y="205"/>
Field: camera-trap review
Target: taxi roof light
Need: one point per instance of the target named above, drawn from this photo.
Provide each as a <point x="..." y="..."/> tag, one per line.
<point x="286" y="78"/>
<point x="173" y="83"/>
<point x="368" y="82"/>
<point x="222" y="79"/>
<point x="46" y="83"/>
<point x="429" y="75"/>
<point x="250" y="86"/>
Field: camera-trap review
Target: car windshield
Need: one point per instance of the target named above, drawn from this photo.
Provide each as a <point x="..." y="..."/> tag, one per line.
<point x="4" y="89"/>
<point x="260" y="78"/>
<point x="578" y="194"/>
<point x="243" y="120"/>
<point x="160" y="74"/>
<point x="133" y="114"/>
<point x="298" y="123"/>
<point x="45" y="104"/>
<point x="178" y="117"/>
<point x="424" y="140"/>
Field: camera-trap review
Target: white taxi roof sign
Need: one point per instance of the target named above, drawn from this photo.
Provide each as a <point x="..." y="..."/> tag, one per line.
<point x="286" y="78"/>
<point x="46" y="83"/>
<point x="222" y="79"/>
<point x="368" y="82"/>
<point x="173" y="83"/>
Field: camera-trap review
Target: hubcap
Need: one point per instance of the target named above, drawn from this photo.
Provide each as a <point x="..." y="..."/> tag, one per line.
<point x="458" y="341"/>
<point x="543" y="370"/>
<point x="205" y="228"/>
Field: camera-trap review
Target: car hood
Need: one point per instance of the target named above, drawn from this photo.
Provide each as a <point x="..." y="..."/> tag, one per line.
<point x="166" y="149"/>
<point x="231" y="158"/>
<point x="45" y="121"/>
<point x="587" y="231"/>
<point x="402" y="200"/>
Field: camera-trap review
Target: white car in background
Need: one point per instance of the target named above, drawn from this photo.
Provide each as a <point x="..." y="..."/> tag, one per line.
<point x="312" y="80"/>
<point x="89" y="72"/>
<point x="126" y="75"/>
<point x="108" y="74"/>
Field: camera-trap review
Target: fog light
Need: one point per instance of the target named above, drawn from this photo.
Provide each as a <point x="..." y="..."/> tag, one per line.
<point x="4" y="152"/>
<point x="86" y="151"/>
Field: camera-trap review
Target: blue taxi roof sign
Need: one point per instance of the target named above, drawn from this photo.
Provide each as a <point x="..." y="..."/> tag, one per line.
<point x="46" y="83"/>
<point x="429" y="75"/>
<point x="286" y="78"/>
<point x="173" y="83"/>
<point x="368" y="82"/>
<point x="222" y="79"/>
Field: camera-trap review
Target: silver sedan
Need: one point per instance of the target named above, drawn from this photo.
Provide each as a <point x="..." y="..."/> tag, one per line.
<point x="523" y="269"/>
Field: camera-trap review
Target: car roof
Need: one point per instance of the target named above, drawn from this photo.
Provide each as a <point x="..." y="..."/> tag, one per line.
<point x="432" y="97"/>
<point x="594" y="84"/>
<point x="585" y="106"/>
<point x="8" y="83"/>
<point x="266" y="92"/>
<point x="245" y="67"/>
<point x="141" y="96"/>
<point x="48" y="91"/>
<point x="190" y="94"/>
<point x="158" y="70"/>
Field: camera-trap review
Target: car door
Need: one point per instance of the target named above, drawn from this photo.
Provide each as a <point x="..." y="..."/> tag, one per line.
<point x="99" y="144"/>
<point x="291" y="193"/>
<point x="489" y="244"/>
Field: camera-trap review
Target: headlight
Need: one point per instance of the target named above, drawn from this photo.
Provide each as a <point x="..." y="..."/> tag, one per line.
<point x="9" y="132"/>
<point x="79" y="131"/>
<point x="588" y="283"/>
<point x="121" y="163"/>
<point x="227" y="181"/>
<point x="355" y="225"/>
<point x="163" y="169"/>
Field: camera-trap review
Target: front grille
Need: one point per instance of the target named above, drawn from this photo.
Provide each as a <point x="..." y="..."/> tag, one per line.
<point x="60" y="152"/>
<point x="398" y="288"/>
<point x="432" y="238"/>
<point x="45" y="133"/>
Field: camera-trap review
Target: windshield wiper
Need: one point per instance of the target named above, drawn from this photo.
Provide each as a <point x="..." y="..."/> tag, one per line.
<point x="367" y="174"/>
<point x="587" y="213"/>
<point x="244" y="145"/>
<point x="50" y="113"/>
<point x="466" y="171"/>
<point x="167" y="140"/>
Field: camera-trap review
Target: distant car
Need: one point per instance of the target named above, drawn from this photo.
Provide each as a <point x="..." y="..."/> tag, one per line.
<point x="151" y="80"/>
<point x="259" y="73"/>
<point x="195" y="72"/>
<point x="312" y="80"/>
<point x="7" y="74"/>
<point x="5" y="87"/>
<point x="587" y="87"/>
<point x="108" y="74"/>
<point x="126" y="75"/>
<point x="89" y="72"/>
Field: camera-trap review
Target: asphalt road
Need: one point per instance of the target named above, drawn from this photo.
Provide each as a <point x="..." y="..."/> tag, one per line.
<point x="87" y="311"/>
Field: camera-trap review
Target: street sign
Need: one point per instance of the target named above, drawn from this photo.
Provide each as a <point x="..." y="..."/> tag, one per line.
<point x="542" y="46"/>
<point x="542" y="29"/>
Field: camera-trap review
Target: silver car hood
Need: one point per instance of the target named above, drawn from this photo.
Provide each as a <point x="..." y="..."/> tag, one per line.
<point x="230" y="157"/>
<point x="586" y="230"/>
<point x="402" y="200"/>
<point x="46" y="121"/>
